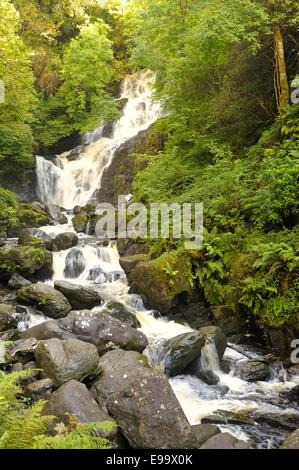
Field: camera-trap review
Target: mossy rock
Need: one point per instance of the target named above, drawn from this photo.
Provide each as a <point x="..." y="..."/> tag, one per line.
<point x="162" y="281"/>
<point x="29" y="216"/>
<point x="24" y="260"/>
<point x="80" y="222"/>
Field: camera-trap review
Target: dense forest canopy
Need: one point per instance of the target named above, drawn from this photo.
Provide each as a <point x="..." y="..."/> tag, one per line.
<point x="225" y="73"/>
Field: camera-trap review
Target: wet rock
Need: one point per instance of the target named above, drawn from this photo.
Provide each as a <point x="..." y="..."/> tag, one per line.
<point x="39" y="390"/>
<point x="105" y="332"/>
<point x="79" y="296"/>
<point x="254" y="371"/>
<point x="65" y="241"/>
<point x="225" y="441"/>
<point x="117" y="369"/>
<point x="17" y="282"/>
<point x="73" y="398"/>
<point x="292" y="441"/>
<point x="209" y="377"/>
<point x="49" y="300"/>
<point x="22" y="350"/>
<point x="35" y="236"/>
<point x="203" y="432"/>
<point x="177" y="353"/>
<point x="227" y="417"/>
<point x="130" y="262"/>
<point x="29" y="215"/>
<point x="150" y="416"/>
<point x="294" y="370"/>
<point x="287" y="421"/>
<point x="195" y="314"/>
<point x="293" y="394"/>
<point x="47" y="330"/>
<point x="121" y="313"/>
<point x="7" y="317"/>
<point x="56" y="215"/>
<point x="66" y="360"/>
<point x="24" y="260"/>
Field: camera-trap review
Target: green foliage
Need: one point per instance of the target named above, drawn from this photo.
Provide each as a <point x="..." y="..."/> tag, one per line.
<point x="82" y="100"/>
<point x="24" y="427"/>
<point x="8" y="209"/>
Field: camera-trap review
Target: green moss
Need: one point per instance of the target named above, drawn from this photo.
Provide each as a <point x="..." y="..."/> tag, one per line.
<point x="25" y="260"/>
<point x="80" y="222"/>
<point x="29" y="216"/>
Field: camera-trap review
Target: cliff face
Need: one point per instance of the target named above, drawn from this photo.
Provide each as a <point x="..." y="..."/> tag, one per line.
<point x="118" y="178"/>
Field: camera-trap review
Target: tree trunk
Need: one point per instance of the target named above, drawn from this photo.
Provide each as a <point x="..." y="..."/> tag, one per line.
<point x="283" y="91"/>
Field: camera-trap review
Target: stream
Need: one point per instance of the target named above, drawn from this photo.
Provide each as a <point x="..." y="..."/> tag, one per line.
<point x="68" y="182"/>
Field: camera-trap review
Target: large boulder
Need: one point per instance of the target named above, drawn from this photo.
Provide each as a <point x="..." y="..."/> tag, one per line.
<point x="65" y="241"/>
<point x="49" y="300"/>
<point x="105" y="332"/>
<point x="150" y="416"/>
<point x="79" y="296"/>
<point x="117" y="369"/>
<point x="120" y="312"/>
<point x="47" y="330"/>
<point x="177" y="353"/>
<point x="162" y="282"/>
<point x="35" y="236"/>
<point x="56" y="215"/>
<point x="7" y="318"/>
<point x="65" y="360"/>
<point x="17" y="282"/>
<point x="254" y="371"/>
<point x="73" y="398"/>
<point x="29" y="215"/>
<point x="203" y="432"/>
<point x="24" y="260"/>
<point x="128" y="263"/>
<point x="225" y="441"/>
<point x="292" y="441"/>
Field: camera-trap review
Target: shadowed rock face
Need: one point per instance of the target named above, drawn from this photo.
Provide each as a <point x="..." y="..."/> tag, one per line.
<point x="150" y="416"/>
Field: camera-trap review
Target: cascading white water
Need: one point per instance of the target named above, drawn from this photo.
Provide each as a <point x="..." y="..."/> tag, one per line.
<point x="74" y="182"/>
<point x="75" y="179"/>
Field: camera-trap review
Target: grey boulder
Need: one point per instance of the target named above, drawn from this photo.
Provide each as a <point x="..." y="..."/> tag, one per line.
<point x="17" y="282"/>
<point x="150" y="416"/>
<point x="65" y="360"/>
<point x="116" y="370"/>
<point x="73" y="398"/>
<point x="253" y="371"/>
<point x="177" y="353"/>
<point x="47" y="299"/>
<point x="65" y="241"/>
<point x="105" y="332"/>
<point x="79" y="296"/>
<point x="225" y="441"/>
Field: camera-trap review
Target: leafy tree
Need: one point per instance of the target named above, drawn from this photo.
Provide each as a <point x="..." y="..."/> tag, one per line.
<point x="82" y="100"/>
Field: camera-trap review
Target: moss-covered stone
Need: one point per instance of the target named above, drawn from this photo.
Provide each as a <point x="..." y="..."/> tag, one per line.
<point x="29" y="216"/>
<point x="80" y="222"/>
<point x="25" y="260"/>
<point x="162" y="281"/>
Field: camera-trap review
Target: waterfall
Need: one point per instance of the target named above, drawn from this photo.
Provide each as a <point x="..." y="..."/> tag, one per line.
<point x="209" y="359"/>
<point x="75" y="179"/>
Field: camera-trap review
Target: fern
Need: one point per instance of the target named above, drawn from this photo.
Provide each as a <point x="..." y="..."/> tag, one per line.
<point x="23" y="427"/>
